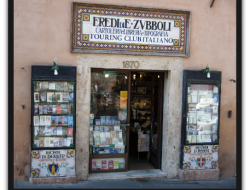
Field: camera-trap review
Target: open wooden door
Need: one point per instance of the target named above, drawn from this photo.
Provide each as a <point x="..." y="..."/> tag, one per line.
<point x="156" y="124"/>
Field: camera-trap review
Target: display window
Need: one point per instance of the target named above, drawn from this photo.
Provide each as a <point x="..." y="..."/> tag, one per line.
<point x="53" y="114"/>
<point x="202" y="113"/>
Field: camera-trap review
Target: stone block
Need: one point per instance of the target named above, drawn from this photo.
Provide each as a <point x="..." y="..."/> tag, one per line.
<point x="199" y="175"/>
<point x="52" y="180"/>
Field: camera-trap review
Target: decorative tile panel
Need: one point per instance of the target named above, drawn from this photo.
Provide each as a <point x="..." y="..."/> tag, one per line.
<point x="200" y="157"/>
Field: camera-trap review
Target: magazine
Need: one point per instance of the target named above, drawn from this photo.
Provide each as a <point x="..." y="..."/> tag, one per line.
<point x="36" y="120"/>
<point x="65" y="97"/>
<point x="52" y="85"/>
<point x="49" y="96"/>
<point x="45" y="109"/>
<point x="71" y="97"/>
<point x="36" y="109"/>
<point x="59" y="131"/>
<point x="70" y="121"/>
<point x="50" y="109"/>
<point x="48" y="120"/>
<point x="59" y="120"/>
<point x="68" y="109"/>
<point x="58" y="96"/>
<point x="54" y="109"/>
<point x="40" y="109"/>
<point x="42" y="120"/>
<point x="47" y="131"/>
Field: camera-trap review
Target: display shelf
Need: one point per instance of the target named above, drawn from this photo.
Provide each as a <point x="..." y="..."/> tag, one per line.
<point x="112" y="125"/>
<point x="143" y="95"/>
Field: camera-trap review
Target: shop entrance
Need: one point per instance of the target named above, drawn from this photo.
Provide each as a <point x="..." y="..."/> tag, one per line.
<point x="145" y="120"/>
<point x="125" y="120"/>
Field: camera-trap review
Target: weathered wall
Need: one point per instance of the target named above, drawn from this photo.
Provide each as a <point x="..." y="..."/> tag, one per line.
<point x="42" y="32"/>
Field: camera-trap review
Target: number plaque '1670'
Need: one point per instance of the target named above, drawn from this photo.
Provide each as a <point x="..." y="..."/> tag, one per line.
<point x="131" y="64"/>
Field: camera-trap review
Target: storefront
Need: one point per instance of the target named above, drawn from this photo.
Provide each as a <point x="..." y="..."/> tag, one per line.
<point x="124" y="98"/>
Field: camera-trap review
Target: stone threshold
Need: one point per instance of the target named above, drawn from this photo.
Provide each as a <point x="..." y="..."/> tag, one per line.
<point x="133" y="174"/>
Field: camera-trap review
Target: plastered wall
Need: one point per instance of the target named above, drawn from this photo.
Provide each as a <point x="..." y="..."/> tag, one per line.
<point x="42" y="32"/>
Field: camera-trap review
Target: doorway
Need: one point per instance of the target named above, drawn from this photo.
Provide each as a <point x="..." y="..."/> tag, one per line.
<point x="125" y="120"/>
<point x="145" y="120"/>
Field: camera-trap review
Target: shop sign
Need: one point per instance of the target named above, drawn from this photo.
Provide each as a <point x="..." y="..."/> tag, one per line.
<point x="200" y="157"/>
<point x="110" y="72"/>
<point x="52" y="163"/>
<point x="126" y="30"/>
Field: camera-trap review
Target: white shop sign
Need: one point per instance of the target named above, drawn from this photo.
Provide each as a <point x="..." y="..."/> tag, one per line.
<point x="53" y="163"/>
<point x="129" y="30"/>
<point x="200" y="157"/>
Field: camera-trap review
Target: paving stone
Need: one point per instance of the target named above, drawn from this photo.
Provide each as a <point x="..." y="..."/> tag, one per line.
<point x="65" y="186"/>
<point x="47" y="186"/>
<point x="211" y="185"/>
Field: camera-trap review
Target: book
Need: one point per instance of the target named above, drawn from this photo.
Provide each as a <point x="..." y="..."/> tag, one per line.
<point x="97" y="121"/>
<point x="115" y="141"/>
<point x="47" y="120"/>
<point x="104" y="164"/>
<point x="101" y="149"/>
<point x="108" y="120"/>
<point x="103" y="120"/>
<point x="71" y="97"/>
<point x="52" y="85"/>
<point x="70" y="121"/>
<point x="96" y="134"/>
<point x="59" y="131"/>
<point x="38" y="85"/>
<point x="49" y="96"/>
<point x="110" y="165"/>
<point x="54" y="109"/>
<point x="106" y="149"/>
<point x="36" y="120"/>
<point x="98" y="165"/>
<point x="121" y="165"/>
<point x="101" y="128"/>
<point x="116" y="150"/>
<point x="91" y="140"/>
<point x="113" y="134"/>
<point x="65" y="97"/>
<point x="53" y="120"/>
<point x="116" y="164"/>
<point x="102" y="140"/>
<point x="40" y="109"/>
<point x="36" y="109"/>
<point x="70" y="131"/>
<point x="97" y="141"/>
<point x="54" y="97"/>
<point x="90" y="149"/>
<point x="58" y="85"/>
<point x="95" y="149"/>
<point x="43" y="96"/>
<point x="36" y="142"/>
<point x="61" y="142"/>
<point x="116" y="128"/>
<point x="111" y="148"/>
<point x="68" y="109"/>
<point x="47" y="131"/>
<point x="36" y="131"/>
<point x="58" y="109"/>
<point x="65" y="120"/>
<point x="50" y="109"/>
<point x="122" y="149"/>
<point x="36" y="97"/>
<point x="64" y="108"/>
<point x="64" y="86"/>
<point x="115" y="120"/>
<point x="59" y="120"/>
<point x="53" y="131"/>
<point x="120" y="141"/>
<point x="70" y="86"/>
<point x="41" y="141"/>
<point x="42" y="120"/>
<point x="107" y="134"/>
<point x="51" y="141"/>
<point x="108" y="141"/>
<point x="46" y="142"/>
<point x="41" y="130"/>
<point x="93" y="165"/>
<point x="97" y="128"/>
<point x="106" y="128"/>
<point x="65" y="130"/>
<point x="120" y="134"/>
<point x="69" y="141"/>
<point x="91" y="128"/>
<point x="56" y="142"/>
<point x="58" y="96"/>
<point x="91" y="122"/>
<point x="45" y="85"/>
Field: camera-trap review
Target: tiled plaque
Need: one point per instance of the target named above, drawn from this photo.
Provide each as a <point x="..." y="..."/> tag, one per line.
<point x="124" y="30"/>
<point x="53" y="163"/>
<point x="200" y="157"/>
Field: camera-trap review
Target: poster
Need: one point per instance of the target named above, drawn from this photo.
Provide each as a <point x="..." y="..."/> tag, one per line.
<point x="124" y="95"/>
